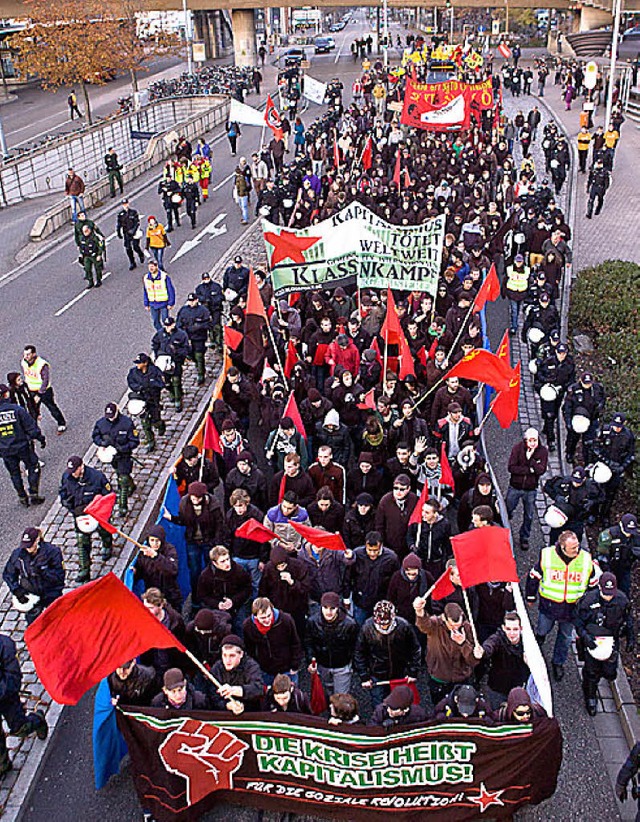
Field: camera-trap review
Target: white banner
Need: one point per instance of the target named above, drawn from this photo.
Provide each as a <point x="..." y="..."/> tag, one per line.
<point x="314" y="90"/>
<point x="248" y="116"/>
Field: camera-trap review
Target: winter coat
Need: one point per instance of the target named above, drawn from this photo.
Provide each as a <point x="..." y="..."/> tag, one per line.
<point x="294" y="599"/>
<point x="279" y="650"/>
<point x="403" y="591"/>
<point x="215" y="585"/>
<point x="248" y="675"/>
<point x="332" y="644"/>
<point x="393" y="523"/>
<point x="328" y="571"/>
<point x="526" y="471"/>
<point x="507" y="666"/>
<point x="446" y="660"/>
<point x="370" y="577"/>
<point x="387" y="656"/>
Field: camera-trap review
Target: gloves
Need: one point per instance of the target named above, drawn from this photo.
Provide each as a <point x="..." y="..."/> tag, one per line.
<point x="43" y="442"/>
<point x="590" y="643"/>
<point x="621" y="792"/>
<point x="21" y="595"/>
<point x="630" y="643"/>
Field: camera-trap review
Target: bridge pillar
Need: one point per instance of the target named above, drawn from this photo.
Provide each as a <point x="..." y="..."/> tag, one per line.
<point x="590" y="18"/>
<point x="244" y="38"/>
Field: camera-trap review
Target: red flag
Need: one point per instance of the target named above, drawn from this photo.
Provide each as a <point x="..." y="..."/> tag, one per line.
<point x="504" y="349"/>
<point x="483" y="366"/>
<point x="318" y="696"/>
<point x="86" y="634"/>
<point x="255" y="318"/>
<point x="396" y="172"/>
<point x="336" y="153"/>
<point x="443" y="587"/>
<point x="505" y="405"/>
<point x="318" y="537"/>
<point x="291" y="410"/>
<point x="100" y="508"/>
<point x="369" y="401"/>
<point x="407" y="178"/>
<point x="421" y="356"/>
<point x="446" y="474"/>
<point x="367" y="154"/>
<point x="272" y="118"/>
<point x="232" y="338"/>
<point x="211" y="441"/>
<point x="391" y="331"/>
<point x="394" y="683"/>
<point x="488" y="291"/>
<point x="255" y="531"/>
<point x="291" y="360"/>
<point x="484" y="555"/>
<point x="416" y="515"/>
<point x="407" y="366"/>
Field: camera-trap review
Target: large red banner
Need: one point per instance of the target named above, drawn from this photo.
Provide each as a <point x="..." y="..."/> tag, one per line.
<point x="445" y="106"/>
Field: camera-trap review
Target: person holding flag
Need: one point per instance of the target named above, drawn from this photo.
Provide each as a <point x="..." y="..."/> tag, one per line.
<point x="429" y="535"/>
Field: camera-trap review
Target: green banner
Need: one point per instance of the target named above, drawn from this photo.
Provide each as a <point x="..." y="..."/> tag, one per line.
<point x="355" y="245"/>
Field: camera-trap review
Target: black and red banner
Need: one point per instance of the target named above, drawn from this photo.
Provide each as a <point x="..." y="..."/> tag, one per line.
<point x="446" y="106"/>
<point x="183" y="764"/>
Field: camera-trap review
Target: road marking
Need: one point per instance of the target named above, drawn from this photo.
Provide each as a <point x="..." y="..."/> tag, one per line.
<point x="79" y="297"/>
<point x="212" y="228"/>
<point x="344" y="40"/>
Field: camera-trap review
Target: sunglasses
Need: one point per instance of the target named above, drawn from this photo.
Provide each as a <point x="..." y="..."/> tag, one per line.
<point x="400" y="488"/>
<point x="522" y="712"/>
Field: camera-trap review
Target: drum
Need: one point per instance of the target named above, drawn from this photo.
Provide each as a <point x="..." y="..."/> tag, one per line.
<point x="136" y="406"/>
<point x="535" y="335"/>
<point x="601" y="473"/>
<point x="555" y="517"/>
<point x="580" y="423"/>
<point x="106" y="453"/>
<point x="86" y="523"/>
<point x="603" y="649"/>
<point x="548" y="392"/>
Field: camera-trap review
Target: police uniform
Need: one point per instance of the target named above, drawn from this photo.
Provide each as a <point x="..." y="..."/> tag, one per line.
<point x="127" y="228"/>
<point x="148" y="385"/>
<point x="619" y="548"/>
<point x="40" y="573"/>
<point x="171" y="195"/>
<point x="191" y="192"/>
<point x="578" y="497"/>
<point x="195" y="320"/>
<point x="174" y="343"/>
<point x="599" y="617"/>
<point x="75" y="494"/>
<point x="118" y="431"/>
<point x="18" y="429"/>
<point x="560" y="374"/>
<point x="91" y="249"/>
<point x="210" y="295"/>
<point x="617" y="449"/>
<point x="586" y="398"/>
<point x="236" y="277"/>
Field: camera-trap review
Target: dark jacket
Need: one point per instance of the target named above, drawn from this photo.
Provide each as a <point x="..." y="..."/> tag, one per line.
<point x="339" y="440"/>
<point x="393" y="523"/>
<point x="195" y="321"/>
<point x="161" y="571"/>
<point x="507" y="666"/>
<point x="17" y="430"/>
<point x="147" y="385"/>
<point x="356" y="527"/>
<point x="75" y="494"/>
<point x="42" y="574"/>
<point x="119" y="433"/>
<point x="494" y="600"/>
<point x="328" y="571"/>
<point x="206" y="528"/>
<point x="248" y="675"/>
<point x="447" y="708"/>
<point x="195" y="701"/>
<point x="332" y="644"/>
<point x="432" y="543"/>
<point x="10" y="673"/>
<point x="205" y="645"/>
<point x="174" y="344"/>
<point x="526" y="472"/>
<point x="240" y="547"/>
<point x="300" y="484"/>
<point x="413" y="716"/>
<point x="359" y="483"/>
<point x="164" y="658"/>
<point x="186" y="474"/>
<point x="298" y="704"/>
<point x="597" y="617"/>
<point x="137" y="689"/>
<point x="331" y="520"/>
<point x="387" y="656"/>
<point x="215" y="585"/>
<point x="370" y="578"/>
<point x="253" y="483"/>
<point x="402" y="591"/>
<point x="279" y="650"/>
<point x="294" y="599"/>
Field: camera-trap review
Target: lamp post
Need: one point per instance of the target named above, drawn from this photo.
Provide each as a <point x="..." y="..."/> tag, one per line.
<point x="614" y="56"/>
<point x="385" y="29"/>
<point x="188" y="36"/>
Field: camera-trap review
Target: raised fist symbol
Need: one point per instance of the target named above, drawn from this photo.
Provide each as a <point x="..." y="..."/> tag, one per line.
<point x="205" y="755"/>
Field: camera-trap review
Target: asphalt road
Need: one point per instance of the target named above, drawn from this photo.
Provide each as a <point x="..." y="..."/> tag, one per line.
<point x="90" y="346"/>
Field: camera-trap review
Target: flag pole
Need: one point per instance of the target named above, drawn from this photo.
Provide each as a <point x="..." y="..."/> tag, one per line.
<point x="277" y="353"/>
<point x="488" y="414"/>
<point x="202" y="668"/>
<point x="386" y="346"/>
<point x="462" y="328"/>
<point x="470" y="615"/>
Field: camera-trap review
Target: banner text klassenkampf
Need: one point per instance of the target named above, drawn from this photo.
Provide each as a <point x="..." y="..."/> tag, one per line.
<point x="183" y="764"/>
<point x="355" y="245"/>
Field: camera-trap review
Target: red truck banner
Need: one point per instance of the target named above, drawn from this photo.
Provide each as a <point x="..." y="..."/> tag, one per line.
<point x="183" y="764"/>
<point x="446" y="106"/>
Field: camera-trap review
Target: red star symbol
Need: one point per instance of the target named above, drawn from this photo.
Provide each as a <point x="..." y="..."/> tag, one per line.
<point x="487" y="798"/>
<point x="287" y="245"/>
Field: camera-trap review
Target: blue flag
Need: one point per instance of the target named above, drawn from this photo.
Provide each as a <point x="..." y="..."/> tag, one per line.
<point x="175" y="534"/>
<point x="109" y="746"/>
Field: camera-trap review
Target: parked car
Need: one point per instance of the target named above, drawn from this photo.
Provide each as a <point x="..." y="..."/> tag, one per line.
<point x="631" y="34"/>
<point x="338" y="26"/>
<point x="322" y="45"/>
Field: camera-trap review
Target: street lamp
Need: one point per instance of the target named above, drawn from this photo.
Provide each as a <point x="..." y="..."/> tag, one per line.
<point x="188" y="36"/>
<point x="385" y="28"/>
<point x="614" y="56"/>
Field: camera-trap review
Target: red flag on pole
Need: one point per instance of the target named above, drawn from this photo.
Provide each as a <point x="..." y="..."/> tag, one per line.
<point x="369" y="400"/>
<point x="291" y="410"/>
<point x="86" y="634"/>
<point x="396" y="172"/>
<point x="255" y="531"/>
<point x="318" y="537"/>
<point x="484" y="555"/>
<point x="255" y="318"/>
<point x="394" y="683"/>
<point x="488" y="291"/>
<point x="211" y="440"/>
<point x="391" y="331"/>
<point x="291" y="360"/>
<point x="101" y="508"/>
<point x="505" y="405"/>
<point x="272" y="118"/>
<point x="318" y="697"/>
<point x="446" y="474"/>
<point x="483" y="366"/>
<point x="232" y="338"/>
<point x="367" y="154"/>
<point x="416" y="515"/>
<point x="503" y="351"/>
<point x="336" y="153"/>
<point x="407" y="366"/>
<point x="443" y="587"/>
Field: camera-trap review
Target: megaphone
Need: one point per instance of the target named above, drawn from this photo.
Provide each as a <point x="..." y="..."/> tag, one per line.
<point x="106" y="453"/>
<point x="555" y="517"/>
<point x="548" y="392"/>
<point x="601" y="472"/>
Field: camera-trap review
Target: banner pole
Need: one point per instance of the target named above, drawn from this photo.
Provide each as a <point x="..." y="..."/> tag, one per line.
<point x="461" y="332"/>
<point x="277" y="353"/>
<point x="469" y="614"/>
<point x="202" y="668"/>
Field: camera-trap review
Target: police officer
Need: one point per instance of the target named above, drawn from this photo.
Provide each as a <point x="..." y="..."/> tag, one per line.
<point x="559" y="371"/>
<point x="615" y="445"/>
<point x="585" y="398"/>
<point x="128" y="229"/>
<point x="619" y="548"/>
<point x="603" y="611"/>
<point x="18" y="429"/>
<point x="191" y="193"/>
<point x="269" y="203"/>
<point x="35" y="567"/>
<point x="236" y="279"/>
<point x="578" y="497"/>
<point x="79" y="485"/>
<point x="195" y="320"/>
<point x="559" y="163"/>
<point x="114" y="171"/>
<point x="115" y="430"/>
<point x="542" y="315"/>
<point x="561" y="576"/>
<point x="171" y="195"/>
<point x="172" y="342"/>
<point x="210" y="295"/>
<point x="597" y="185"/>
<point x="146" y="382"/>
<point x="92" y="250"/>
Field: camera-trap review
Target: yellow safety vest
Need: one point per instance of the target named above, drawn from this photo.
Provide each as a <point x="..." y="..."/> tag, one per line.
<point x="517" y="278"/>
<point x="157" y="291"/>
<point x="33" y="373"/>
<point x="562" y="582"/>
